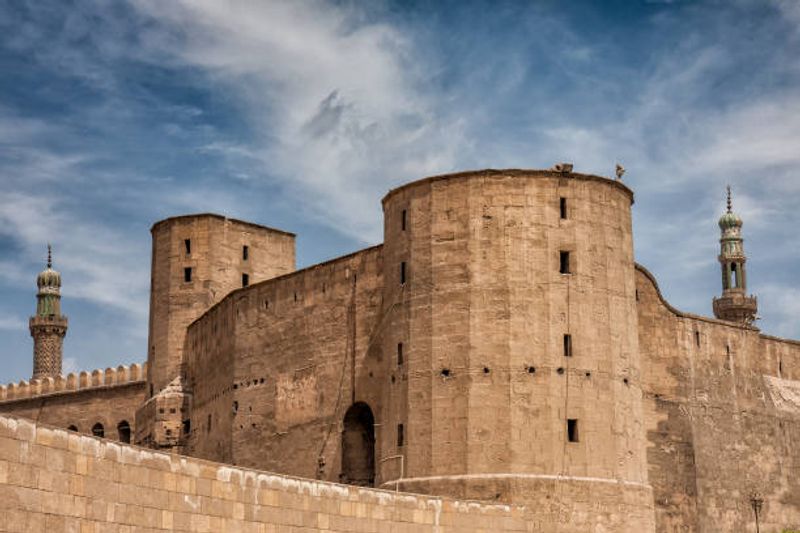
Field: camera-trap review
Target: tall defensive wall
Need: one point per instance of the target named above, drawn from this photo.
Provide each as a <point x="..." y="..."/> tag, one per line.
<point x="514" y="302"/>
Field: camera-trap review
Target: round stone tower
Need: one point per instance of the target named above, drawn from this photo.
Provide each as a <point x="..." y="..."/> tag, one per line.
<point x="49" y="326"/>
<point x="514" y="372"/>
<point x="734" y="305"/>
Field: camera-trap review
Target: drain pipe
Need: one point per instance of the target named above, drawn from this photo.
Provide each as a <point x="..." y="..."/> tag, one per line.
<point x="402" y="469"/>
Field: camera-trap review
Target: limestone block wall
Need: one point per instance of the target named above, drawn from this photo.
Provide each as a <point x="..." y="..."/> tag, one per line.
<point x="274" y="367"/>
<point x="54" y="480"/>
<point x="213" y="248"/>
<point x="722" y="409"/>
<point x="107" y="397"/>
<point x="486" y="390"/>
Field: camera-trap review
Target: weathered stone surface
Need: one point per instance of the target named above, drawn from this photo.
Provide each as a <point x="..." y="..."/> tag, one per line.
<point x="448" y="360"/>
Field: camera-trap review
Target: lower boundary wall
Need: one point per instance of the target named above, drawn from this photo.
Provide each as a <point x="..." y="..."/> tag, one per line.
<point x="55" y="480"/>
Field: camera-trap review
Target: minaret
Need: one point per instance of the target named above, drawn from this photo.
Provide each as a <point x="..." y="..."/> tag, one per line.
<point x="734" y="305"/>
<point x="49" y="326"/>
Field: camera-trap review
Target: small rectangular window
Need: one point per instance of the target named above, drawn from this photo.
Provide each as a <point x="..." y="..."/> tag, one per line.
<point x="572" y="429"/>
<point x="564" y="262"/>
<point x="187" y="274"/>
<point x="563" y="207"/>
<point x="697" y="338"/>
<point x="399" y="353"/>
<point x="245" y="280"/>
<point x="245" y="252"/>
<point x="567" y="345"/>
<point x="187" y="426"/>
<point x="403" y="220"/>
<point x="400" y="435"/>
<point x="209" y="422"/>
<point x="187" y="243"/>
<point x="402" y="273"/>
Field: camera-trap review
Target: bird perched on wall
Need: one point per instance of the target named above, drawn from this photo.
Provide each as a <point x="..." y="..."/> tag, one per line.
<point x="620" y="171"/>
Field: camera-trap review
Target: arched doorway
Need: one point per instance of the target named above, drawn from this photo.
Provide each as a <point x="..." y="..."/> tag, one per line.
<point x="358" y="446"/>
<point x="124" y="431"/>
<point x="98" y="431"/>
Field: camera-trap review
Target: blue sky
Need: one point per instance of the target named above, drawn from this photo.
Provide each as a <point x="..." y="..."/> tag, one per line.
<point x="301" y="115"/>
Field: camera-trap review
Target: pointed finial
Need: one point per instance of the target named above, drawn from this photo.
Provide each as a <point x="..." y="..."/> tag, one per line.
<point x="730" y="204"/>
<point x="49" y="256"/>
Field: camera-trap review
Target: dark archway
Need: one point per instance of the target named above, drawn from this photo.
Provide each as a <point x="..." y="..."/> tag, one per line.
<point x="124" y="431"/>
<point x="73" y="427"/>
<point x="98" y="431"/>
<point x="358" y="446"/>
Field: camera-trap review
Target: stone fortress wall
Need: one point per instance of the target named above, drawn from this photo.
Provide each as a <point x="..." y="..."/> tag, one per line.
<point x="500" y="345"/>
<point x="55" y="480"/>
<point x="82" y="400"/>
<point x="466" y="284"/>
<point x="722" y="415"/>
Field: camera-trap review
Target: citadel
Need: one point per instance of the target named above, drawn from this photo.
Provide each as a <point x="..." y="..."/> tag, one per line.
<point x="499" y="362"/>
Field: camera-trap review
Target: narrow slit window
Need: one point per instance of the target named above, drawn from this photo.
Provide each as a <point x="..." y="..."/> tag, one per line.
<point x="564" y="262"/>
<point x="187" y="243"/>
<point x="187" y="274"/>
<point x="399" y="354"/>
<point x="245" y="280"/>
<point x="567" y="345"/>
<point x="563" y="207"/>
<point x="245" y="252"/>
<point x="572" y="429"/>
<point x="400" y="435"/>
<point x="697" y="338"/>
<point x="403" y="220"/>
<point x="402" y="273"/>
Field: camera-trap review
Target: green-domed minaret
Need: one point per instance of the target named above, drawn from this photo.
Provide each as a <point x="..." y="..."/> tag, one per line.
<point x="49" y="326"/>
<point x="734" y="305"/>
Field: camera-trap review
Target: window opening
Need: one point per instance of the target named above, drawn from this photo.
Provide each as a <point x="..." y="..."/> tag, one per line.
<point x="572" y="429"/>
<point x="564" y="262"/>
<point x="73" y="428"/>
<point x="563" y="207"/>
<point x="187" y="426"/>
<point x="402" y="273"/>
<point x="697" y="338"/>
<point x="245" y="280"/>
<point x="403" y="220"/>
<point x="400" y="435"/>
<point x="567" y="345"/>
<point x="245" y="252"/>
<point x="187" y="243"/>
<point x="187" y="274"/>
<point x="98" y="430"/>
<point x="399" y="354"/>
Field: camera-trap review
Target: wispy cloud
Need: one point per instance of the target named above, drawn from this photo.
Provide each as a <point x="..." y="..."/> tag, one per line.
<point x="309" y="111"/>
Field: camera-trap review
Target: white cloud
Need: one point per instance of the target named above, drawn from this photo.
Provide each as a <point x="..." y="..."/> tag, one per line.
<point x="340" y="103"/>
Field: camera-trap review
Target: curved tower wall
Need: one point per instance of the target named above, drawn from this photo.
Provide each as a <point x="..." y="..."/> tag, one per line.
<point x="485" y="390"/>
<point x="216" y="259"/>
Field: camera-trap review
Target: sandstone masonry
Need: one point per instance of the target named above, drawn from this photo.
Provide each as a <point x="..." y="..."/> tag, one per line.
<point x="501" y="345"/>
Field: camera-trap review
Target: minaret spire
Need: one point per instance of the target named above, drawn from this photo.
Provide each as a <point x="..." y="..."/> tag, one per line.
<point x="48" y="327"/>
<point x="730" y="204"/>
<point x="734" y="305"/>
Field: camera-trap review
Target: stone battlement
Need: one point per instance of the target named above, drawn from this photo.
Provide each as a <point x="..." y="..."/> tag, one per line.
<point x="110" y="377"/>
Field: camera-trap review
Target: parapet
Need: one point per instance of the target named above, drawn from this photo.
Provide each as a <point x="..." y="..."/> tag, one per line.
<point x="110" y="377"/>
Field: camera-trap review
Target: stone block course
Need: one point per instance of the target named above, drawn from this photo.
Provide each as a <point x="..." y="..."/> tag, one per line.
<point x="83" y="494"/>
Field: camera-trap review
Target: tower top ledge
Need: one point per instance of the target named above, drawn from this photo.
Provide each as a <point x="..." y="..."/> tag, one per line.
<point x="221" y="218"/>
<point x="510" y="172"/>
